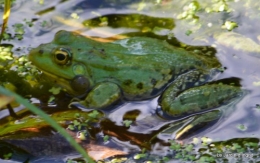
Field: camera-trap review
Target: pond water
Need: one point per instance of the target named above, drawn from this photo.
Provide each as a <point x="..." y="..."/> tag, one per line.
<point x="184" y="24"/>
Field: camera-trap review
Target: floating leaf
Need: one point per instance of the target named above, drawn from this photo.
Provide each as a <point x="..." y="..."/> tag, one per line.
<point x="55" y="90"/>
<point x="127" y="123"/>
<point x="94" y="114"/>
<point x="105" y="138"/>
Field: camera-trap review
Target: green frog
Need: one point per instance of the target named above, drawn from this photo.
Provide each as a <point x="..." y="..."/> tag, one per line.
<point x="136" y="68"/>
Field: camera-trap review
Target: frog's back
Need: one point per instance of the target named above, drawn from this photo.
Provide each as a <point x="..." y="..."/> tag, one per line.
<point x="155" y="50"/>
<point x="145" y="66"/>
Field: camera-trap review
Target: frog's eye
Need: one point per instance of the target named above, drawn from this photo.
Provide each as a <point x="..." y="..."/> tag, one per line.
<point x="62" y="56"/>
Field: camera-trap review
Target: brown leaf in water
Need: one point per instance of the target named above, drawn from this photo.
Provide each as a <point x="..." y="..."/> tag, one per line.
<point x="97" y="152"/>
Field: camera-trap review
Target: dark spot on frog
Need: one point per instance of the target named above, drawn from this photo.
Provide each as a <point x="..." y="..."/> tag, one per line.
<point x="109" y="68"/>
<point x="102" y="50"/>
<point x="153" y="81"/>
<point x="139" y="86"/>
<point x="128" y="82"/>
<point x="79" y="49"/>
<point x="181" y="100"/>
<point x="41" y="51"/>
<point x="157" y="70"/>
<point x="171" y="72"/>
<point x="98" y="92"/>
<point x="135" y="68"/>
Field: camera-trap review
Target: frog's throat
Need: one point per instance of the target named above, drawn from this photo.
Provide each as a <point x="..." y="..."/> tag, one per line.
<point x="63" y="82"/>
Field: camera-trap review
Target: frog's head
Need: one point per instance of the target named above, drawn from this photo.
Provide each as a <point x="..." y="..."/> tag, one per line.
<point x="59" y="60"/>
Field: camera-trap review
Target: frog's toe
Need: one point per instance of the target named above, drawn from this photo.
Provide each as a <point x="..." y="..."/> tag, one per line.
<point x="79" y="105"/>
<point x="200" y="121"/>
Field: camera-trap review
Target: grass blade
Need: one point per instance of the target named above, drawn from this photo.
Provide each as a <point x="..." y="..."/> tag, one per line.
<point x="48" y="119"/>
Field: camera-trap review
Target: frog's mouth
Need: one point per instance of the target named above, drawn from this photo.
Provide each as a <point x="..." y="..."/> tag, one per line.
<point x="76" y="86"/>
<point x="63" y="82"/>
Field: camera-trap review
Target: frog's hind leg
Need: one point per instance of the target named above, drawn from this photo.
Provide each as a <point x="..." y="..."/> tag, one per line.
<point x="198" y="99"/>
<point x="194" y="78"/>
<point x="183" y="82"/>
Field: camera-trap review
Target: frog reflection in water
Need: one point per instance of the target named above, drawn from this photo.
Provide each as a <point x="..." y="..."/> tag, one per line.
<point x="136" y="68"/>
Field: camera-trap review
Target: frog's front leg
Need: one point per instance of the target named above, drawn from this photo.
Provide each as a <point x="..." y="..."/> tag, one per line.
<point x="102" y="95"/>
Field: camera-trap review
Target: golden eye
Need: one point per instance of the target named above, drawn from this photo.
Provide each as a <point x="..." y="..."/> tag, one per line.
<point x="62" y="56"/>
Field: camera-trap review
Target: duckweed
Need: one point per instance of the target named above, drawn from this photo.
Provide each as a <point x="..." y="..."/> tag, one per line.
<point x="127" y="123"/>
<point x="105" y="138"/>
